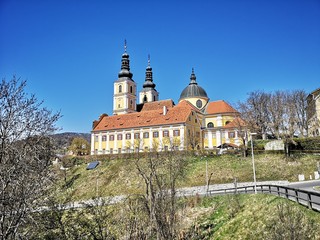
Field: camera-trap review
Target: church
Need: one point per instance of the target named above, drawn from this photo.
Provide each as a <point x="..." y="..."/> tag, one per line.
<point x="194" y="123"/>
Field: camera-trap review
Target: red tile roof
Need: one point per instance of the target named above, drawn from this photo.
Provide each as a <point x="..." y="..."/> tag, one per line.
<point x="236" y="123"/>
<point x="219" y="107"/>
<point x="157" y="105"/>
<point x="175" y="114"/>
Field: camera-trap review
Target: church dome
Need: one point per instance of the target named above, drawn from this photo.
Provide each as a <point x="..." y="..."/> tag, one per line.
<point x="193" y="89"/>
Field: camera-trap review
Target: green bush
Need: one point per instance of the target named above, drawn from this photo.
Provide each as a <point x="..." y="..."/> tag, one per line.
<point x="310" y="143"/>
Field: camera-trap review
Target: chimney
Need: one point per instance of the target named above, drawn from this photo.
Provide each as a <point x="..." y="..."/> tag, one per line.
<point x="165" y="110"/>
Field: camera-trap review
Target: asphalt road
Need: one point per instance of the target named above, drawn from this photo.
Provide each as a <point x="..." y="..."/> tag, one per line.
<point x="306" y="185"/>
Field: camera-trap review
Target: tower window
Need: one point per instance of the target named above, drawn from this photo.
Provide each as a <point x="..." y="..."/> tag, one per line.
<point x="210" y="125"/>
<point x="130" y="89"/>
<point x="199" y="103"/>
<point x="120" y="88"/>
<point x="154" y="98"/>
<point x="145" y="98"/>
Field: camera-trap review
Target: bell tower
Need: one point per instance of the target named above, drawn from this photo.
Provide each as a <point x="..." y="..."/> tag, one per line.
<point x="124" y="94"/>
<point x="148" y="93"/>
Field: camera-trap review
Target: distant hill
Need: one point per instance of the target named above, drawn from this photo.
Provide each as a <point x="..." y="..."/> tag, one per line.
<point x="63" y="140"/>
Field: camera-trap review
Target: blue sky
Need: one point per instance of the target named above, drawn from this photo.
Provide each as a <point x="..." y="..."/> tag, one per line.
<point x="70" y="51"/>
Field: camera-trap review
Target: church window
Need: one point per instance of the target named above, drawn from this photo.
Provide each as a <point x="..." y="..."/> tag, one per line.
<point x="111" y="150"/>
<point x="210" y="125"/>
<point x="176" y="133"/>
<point x="104" y="138"/>
<point x="154" y="98"/>
<point x="136" y="135"/>
<point x="119" y="136"/>
<point x="231" y="134"/>
<point x="145" y="135"/>
<point x="131" y="89"/>
<point x="119" y="150"/>
<point x="128" y="135"/>
<point x="145" y="98"/>
<point x="156" y="134"/>
<point x="165" y="133"/>
<point x="196" y="121"/>
<point x="96" y="139"/>
<point x="120" y="88"/>
<point x="111" y="137"/>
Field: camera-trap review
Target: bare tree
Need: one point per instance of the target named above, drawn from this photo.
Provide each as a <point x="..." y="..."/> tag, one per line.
<point x="255" y="112"/>
<point x="158" y="205"/>
<point x="25" y="154"/>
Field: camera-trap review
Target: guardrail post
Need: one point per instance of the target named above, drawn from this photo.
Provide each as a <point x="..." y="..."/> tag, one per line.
<point x="287" y="196"/>
<point x="309" y="201"/>
<point x="297" y="196"/>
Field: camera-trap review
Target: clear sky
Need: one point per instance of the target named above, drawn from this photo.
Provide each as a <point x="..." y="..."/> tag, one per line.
<point x="70" y="51"/>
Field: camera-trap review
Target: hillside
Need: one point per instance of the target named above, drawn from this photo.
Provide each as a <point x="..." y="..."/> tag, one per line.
<point x="119" y="176"/>
<point x="63" y="140"/>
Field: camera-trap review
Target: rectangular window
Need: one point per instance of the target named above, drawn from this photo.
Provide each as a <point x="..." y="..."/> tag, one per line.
<point x="176" y="133"/>
<point x="119" y="150"/>
<point x="111" y="150"/>
<point x="195" y="120"/>
<point x="231" y="134"/>
<point x="104" y="138"/>
<point x="111" y="137"/>
<point x="128" y="135"/>
<point x="166" y="148"/>
<point x="165" y="133"/>
<point x="136" y="135"/>
<point x="145" y="135"/>
<point x="156" y="134"/>
<point x="119" y="136"/>
<point x="96" y="139"/>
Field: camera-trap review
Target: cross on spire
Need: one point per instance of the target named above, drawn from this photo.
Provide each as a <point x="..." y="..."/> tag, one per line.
<point x="125" y="45"/>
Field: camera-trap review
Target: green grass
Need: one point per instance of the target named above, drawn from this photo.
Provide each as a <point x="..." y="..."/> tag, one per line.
<point x="119" y="176"/>
<point x="250" y="217"/>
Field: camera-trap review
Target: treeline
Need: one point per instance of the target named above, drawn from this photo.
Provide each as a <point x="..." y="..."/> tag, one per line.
<point x="279" y="114"/>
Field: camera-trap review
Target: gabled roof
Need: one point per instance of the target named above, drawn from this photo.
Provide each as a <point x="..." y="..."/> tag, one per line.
<point x="219" y="107"/>
<point x="176" y="114"/>
<point x="149" y="106"/>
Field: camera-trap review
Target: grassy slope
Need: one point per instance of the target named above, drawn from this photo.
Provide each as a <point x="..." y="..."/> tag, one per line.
<point x="119" y="176"/>
<point x="245" y="217"/>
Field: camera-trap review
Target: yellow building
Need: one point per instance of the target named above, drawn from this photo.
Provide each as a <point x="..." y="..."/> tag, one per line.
<point x="153" y="124"/>
<point x="313" y="113"/>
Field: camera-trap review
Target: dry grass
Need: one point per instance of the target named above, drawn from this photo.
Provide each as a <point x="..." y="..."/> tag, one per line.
<point x="119" y="176"/>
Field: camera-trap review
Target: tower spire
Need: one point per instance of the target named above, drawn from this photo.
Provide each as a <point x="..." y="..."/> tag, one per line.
<point x="149" y="79"/>
<point x="125" y="64"/>
<point x="193" y="78"/>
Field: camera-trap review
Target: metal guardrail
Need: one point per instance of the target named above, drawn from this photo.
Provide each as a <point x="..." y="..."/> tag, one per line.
<point x="303" y="197"/>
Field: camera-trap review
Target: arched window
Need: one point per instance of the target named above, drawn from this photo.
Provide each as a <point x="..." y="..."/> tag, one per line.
<point x="130" y="89"/>
<point x="210" y="125"/>
<point x="145" y="98"/>
<point x="120" y="88"/>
